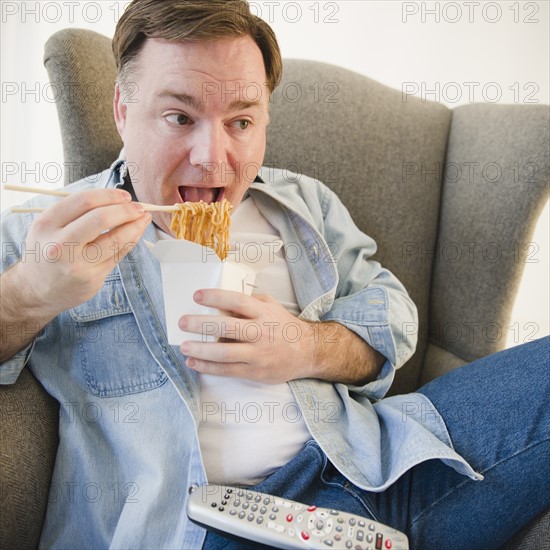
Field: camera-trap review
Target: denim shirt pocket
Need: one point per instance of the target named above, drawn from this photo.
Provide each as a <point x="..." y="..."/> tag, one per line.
<point x="114" y="358"/>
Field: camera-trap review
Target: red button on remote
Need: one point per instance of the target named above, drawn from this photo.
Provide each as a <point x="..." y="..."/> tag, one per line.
<point x="388" y="544"/>
<point x="289" y="518"/>
<point x="305" y="535"/>
<point x="312" y="509"/>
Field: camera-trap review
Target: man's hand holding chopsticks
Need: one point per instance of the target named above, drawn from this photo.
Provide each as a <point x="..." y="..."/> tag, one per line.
<point x="79" y="240"/>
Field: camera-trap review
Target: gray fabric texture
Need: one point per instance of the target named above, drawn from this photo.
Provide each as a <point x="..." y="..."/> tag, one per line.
<point x="535" y="536"/>
<point x="496" y="186"/>
<point x="28" y="445"/>
<point x="367" y="144"/>
<point x="82" y="69"/>
<point x="384" y="156"/>
<point x="438" y="361"/>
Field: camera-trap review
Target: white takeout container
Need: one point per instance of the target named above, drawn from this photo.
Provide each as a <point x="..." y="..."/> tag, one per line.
<point x="187" y="267"/>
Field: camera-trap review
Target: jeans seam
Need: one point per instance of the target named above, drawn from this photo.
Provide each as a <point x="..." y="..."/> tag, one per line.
<point x="348" y="487"/>
<point x="468" y="480"/>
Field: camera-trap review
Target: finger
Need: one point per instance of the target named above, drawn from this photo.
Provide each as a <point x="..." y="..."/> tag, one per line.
<point x="217" y="352"/>
<point x="219" y="326"/>
<point x="96" y="222"/>
<point x="265" y="298"/>
<point x="232" y="370"/>
<point x="74" y="206"/>
<point x="116" y="244"/>
<point x="228" y="300"/>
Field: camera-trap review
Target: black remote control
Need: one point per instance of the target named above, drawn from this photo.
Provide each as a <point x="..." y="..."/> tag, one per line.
<point x="283" y="523"/>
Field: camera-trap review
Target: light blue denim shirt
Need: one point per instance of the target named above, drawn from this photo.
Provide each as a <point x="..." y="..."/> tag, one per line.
<point x="129" y="407"/>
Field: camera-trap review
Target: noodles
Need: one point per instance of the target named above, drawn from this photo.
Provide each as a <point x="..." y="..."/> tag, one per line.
<point x="202" y="223"/>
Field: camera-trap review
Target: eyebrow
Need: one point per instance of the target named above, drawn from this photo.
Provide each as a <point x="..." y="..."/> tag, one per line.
<point x="182" y="98"/>
<point x="195" y="103"/>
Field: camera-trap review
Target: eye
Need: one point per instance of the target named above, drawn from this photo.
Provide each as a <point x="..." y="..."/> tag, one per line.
<point x="242" y="124"/>
<point x="178" y="118"/>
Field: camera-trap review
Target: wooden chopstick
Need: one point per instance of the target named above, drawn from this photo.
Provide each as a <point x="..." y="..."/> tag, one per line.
<point x="146" y="206"/>
<point x="38" y="190"/>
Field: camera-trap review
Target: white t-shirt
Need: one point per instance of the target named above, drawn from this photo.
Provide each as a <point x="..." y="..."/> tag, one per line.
<point x="247" y="429"/>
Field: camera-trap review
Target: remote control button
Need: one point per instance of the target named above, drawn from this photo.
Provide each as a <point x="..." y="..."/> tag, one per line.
<point x="257" y="498"/>
<point x="266" y="501"/>
<point x="360" y="536"/>
<point x="328" y="542"/>
<point x="320" y="524"/>
<point x="226" y="495"/>
<point x="221" y="508"/>
<point x="289" y="518"/>
<point x="229" y="490"/>
<point x="254" y="507"/>
<point x="352" y="521"/>
<point x="249" y="496"/>
<point x="349" y="544"/>
<point x="272" y="516"/>
<point x="337" y="537"/>
<point x="299" y="519"/>
<point x="250" y="517"/>
<point x="236" y="502"/>
<point x="241" y="515"/>
<point x="263" y="510"/>
<point x="278" y="528"/>
<point x="340" y="520"/>
<point x="240" y="493"/>
<point x="275" y="509"/>
<point x="378" y="542"/>
<point x="388" y="544"/>
<point x="370" y="538"/>
<point x="371" y="527"/>
<point x="312" y="509"/>
<point x="224" y="502"/>
<point x="305" y="535"/>
<point x="334" y="513"/>
<point x="260" y="520"/>
<point x="291" y="531"/>
<point x="361" y="523"/>
<point x="245" y="505"/>
<point x="298" y="507"/>
<point x="339" y="528"/>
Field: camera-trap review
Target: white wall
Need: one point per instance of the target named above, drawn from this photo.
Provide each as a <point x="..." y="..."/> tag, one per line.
<point x="451" y="52"/>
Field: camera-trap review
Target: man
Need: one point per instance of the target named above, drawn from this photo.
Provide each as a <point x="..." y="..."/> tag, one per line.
<point x="100" y="340"/>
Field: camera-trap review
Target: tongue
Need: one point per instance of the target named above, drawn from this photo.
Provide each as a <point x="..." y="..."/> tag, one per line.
<point x="196" y="194"/>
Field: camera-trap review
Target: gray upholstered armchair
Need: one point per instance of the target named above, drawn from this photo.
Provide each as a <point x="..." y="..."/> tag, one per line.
<point x="432" y="185"/>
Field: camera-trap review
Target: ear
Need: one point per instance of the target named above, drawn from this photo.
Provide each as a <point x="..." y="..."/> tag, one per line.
<point x="120" y="109"/>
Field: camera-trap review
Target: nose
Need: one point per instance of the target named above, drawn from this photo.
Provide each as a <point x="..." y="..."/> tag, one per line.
<point x="208" y="149"/>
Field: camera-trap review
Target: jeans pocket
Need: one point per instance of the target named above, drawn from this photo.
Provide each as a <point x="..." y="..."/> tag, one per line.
<point x="113" y="357"/>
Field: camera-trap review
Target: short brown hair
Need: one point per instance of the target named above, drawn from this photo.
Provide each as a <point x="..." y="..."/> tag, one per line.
<point x="193" y="21"/>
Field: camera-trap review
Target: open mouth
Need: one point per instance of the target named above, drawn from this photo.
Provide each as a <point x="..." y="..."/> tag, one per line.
<point x="196" y="194"/>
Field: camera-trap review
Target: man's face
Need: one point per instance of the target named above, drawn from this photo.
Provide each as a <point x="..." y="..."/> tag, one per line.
<point x="195" y="127"/>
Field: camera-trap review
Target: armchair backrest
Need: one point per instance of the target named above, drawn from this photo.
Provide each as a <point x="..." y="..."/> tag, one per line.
<point x="450" y="196"/>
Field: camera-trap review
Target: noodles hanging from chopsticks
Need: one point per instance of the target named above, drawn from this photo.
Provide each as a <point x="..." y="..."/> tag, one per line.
<point x="205" y="224"/>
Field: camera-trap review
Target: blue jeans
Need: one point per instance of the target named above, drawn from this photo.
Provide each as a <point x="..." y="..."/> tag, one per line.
<point x="497" y="411"/>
